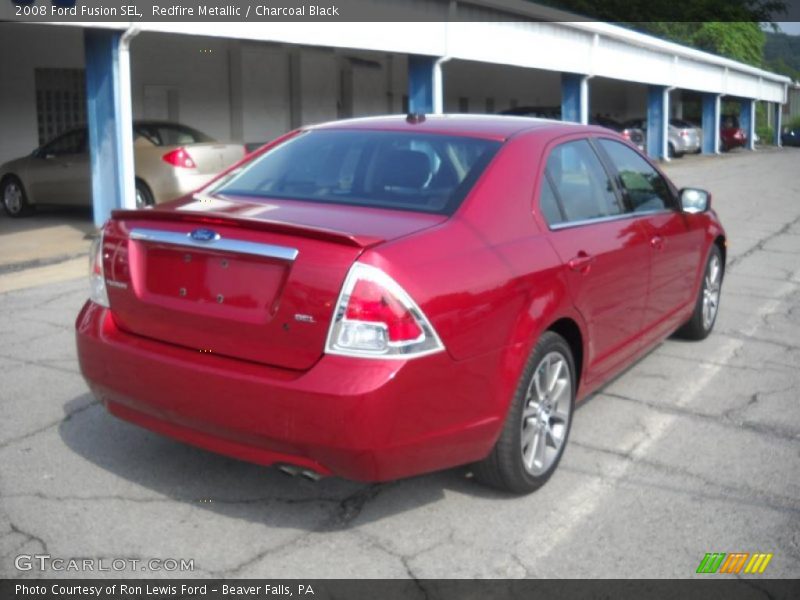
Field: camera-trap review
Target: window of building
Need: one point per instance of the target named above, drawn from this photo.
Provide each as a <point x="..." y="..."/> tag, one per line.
<point x="60" y="101"/>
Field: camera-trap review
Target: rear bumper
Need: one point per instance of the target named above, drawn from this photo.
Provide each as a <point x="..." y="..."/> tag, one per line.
<point x="368" y="420"/>
<point x="688" y="146"/>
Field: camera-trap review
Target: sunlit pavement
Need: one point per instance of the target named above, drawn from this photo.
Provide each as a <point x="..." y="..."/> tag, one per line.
<point x="695" y="449"/>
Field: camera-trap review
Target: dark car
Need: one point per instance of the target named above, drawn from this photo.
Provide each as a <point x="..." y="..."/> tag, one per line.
<point x="731" y="135"/>
<point x="635" y="135"/>
<point x="791" y="136"/>
<point x="541" y="112"/>
<point x="384" y="297"/>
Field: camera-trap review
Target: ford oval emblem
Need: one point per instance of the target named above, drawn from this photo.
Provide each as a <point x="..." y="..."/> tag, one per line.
<point x="204" y="235"/>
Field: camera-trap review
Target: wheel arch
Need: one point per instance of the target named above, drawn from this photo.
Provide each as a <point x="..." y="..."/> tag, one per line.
<point x="568" y="329"/>
<point x="138" y="180"/>
<point x="722" y="243"/>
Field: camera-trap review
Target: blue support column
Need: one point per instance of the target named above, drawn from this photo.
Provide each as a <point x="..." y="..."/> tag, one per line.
<point x="710" y="123"/>
<point x="420" y="83"/>
<point x="747" y="121"/>
<point x="778" y="107"/>
<point x="102" y="96"/>
<point x="657" y="121"/>
<point x="574" y="98"/>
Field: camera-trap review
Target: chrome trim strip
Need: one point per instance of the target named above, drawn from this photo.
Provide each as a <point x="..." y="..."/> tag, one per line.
<point x="619" y="217"/>
<point x="222" y="244"/>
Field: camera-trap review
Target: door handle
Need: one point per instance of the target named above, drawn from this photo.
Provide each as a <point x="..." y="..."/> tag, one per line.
<point x="657" y="242"/>
<point x="581" y="263"/>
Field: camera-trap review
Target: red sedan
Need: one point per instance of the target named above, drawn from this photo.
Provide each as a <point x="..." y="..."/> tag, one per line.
<point x="730" y="134"/>
<point x="385" y="297"/>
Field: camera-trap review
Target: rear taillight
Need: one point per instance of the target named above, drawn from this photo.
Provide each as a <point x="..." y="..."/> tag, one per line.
<point x="179" y="158"/>
<point x="97" y="281"/>
<point x="626" y="134"/>
<point x="374" y="317"/>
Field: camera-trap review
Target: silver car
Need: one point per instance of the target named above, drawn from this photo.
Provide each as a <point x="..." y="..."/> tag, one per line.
<point x="686" y="137"/>
<point x="170" y="160"/>
<point x="682" y="136"/>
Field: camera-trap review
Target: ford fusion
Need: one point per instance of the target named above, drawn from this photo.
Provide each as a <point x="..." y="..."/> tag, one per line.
<point x="385" y="297"/>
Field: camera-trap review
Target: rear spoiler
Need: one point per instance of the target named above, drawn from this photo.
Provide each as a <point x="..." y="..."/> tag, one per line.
<point x="260" y="224"/>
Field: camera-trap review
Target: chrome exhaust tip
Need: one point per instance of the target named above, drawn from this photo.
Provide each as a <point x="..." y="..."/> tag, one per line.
<point x="310" y="475"/>
<point x="289" y="470"/>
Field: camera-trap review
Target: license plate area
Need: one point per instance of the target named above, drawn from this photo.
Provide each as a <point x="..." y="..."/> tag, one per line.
<point x="205" y="279"/>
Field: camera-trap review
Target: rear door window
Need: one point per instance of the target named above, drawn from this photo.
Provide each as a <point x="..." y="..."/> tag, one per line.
<point x="581" y="182"/>
<point x="73" y="142"/>
<point x="169" y="134"/>
<point x="644" y="187"/>
<point x="551" y="208"/>
<point x="387" y="169"/>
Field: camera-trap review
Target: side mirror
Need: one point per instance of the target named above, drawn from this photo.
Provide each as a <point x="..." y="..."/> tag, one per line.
<point x="694" y="200"/>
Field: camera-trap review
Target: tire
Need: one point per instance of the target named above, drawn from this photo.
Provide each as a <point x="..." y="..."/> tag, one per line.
<point x="670" y="151"/>
<point x="707" y="305"/>
<point x="535" y="421"/>
<point x="14" y="198"/>
<point x="144" y="197"/>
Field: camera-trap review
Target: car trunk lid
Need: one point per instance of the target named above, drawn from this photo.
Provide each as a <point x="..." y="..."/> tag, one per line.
<point x="255" y="281"/>
<point x="212" y="157"/>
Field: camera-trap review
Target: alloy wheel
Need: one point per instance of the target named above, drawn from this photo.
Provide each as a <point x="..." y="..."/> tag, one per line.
<point x="546" y="413"/>
<point x="711" y="287"/>
<point x="12" y="198"/>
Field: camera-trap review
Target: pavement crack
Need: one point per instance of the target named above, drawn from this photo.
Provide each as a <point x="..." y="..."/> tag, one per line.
<point x="759" y="245"/>
<point x="5" y="443"/>
<point x="724" y="419"/>
<point x="44" y="363"/>
<point x="773" y="501"/>
<point x="350" y="508"/>
<point x="30" y="537"/>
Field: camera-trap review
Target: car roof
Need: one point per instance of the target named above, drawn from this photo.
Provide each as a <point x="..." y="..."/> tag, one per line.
<point x="497" y="127"/>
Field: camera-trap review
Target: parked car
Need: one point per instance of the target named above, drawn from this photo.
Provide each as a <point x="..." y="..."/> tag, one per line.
<point x="633" y="133"/>
<point x="384" y="297"/>
<point x="790" y="136"/>
<point x="682" y="136"/>
<point x="730" y="134"/>
<point x="171" y="160"/>
<point x="689" y="136"/>
<point x="542" y="112"/>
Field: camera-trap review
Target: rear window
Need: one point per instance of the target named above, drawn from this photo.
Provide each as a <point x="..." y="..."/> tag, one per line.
<point x="730" y="121"/>
<point x="169" y="134"/>
<point x="384" y="169"/>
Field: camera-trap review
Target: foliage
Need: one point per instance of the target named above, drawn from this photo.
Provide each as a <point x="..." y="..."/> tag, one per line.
<point x="766" y="135"/>
<point x="782" y="54"/>
<point x="730" y="28"/>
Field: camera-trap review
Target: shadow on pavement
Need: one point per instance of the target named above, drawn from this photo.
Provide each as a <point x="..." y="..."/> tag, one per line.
<point x="237" y="489"/>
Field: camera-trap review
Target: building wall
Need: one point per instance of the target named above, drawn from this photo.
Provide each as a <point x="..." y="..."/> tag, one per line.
<point x="231" y="90"/>
<point x="501" y="86"/>
<point x="194" y="69"/>
<point x="44" y="47"/>
<point x="253" y="91"/>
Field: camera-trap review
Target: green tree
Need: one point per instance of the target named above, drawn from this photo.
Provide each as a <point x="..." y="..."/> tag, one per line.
<point x="730" y="28"/>
<point x="739" y="40"/>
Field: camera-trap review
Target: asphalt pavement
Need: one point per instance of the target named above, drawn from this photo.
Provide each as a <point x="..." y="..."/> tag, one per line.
<point x="694" y="449"/>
